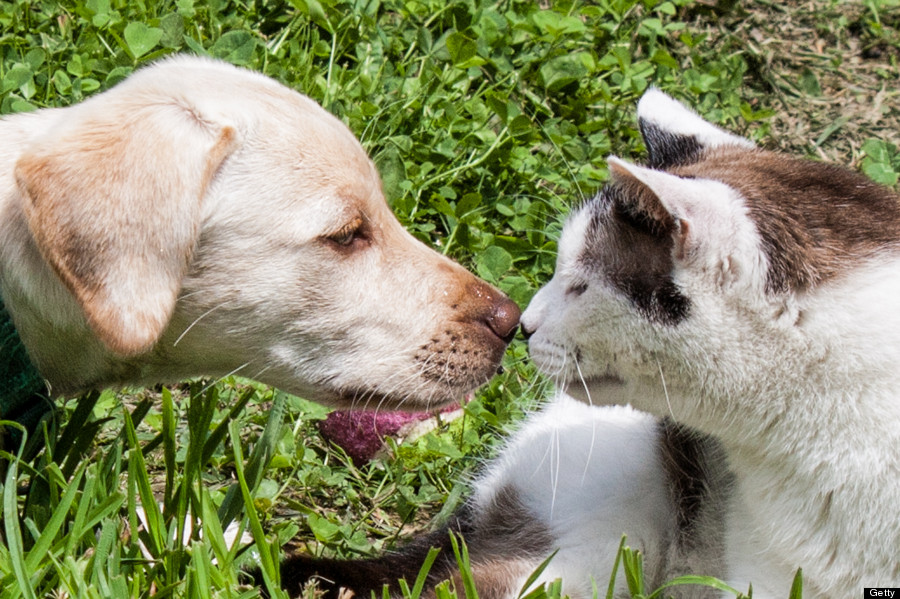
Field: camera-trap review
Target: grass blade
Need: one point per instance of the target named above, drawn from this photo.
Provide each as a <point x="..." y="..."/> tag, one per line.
<point x="536" y="574"/>
<point x="268" y="566"/>
<point x="66" y="443"/>
<point x="707" y="581"/>
<point x="461" y="552"/>
<point x="218" y="434"/>
<point x="137" y="474"/>
<point x="422" y="577"/>
<point x="14" y="532"/>
<point x="797" y="585"/>
<point x="168" y="443"/>
<point x="60" y="511"/>
<point x="611" y="588"/>
<point x="259" y="459"/>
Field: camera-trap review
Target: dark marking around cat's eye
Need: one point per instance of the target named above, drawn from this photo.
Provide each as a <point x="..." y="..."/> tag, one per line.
<point x="815" y="222"/>
<point x="633" y="251"/>
<point x="667" y="149"/>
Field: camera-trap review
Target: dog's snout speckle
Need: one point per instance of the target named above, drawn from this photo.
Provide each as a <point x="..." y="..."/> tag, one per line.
<point x="467" y="348"/>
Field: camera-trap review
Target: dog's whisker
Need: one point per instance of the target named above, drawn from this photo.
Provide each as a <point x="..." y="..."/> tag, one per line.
<point x="185" y="296"/>
<point x="261" y="371"/>
<point x="196" y="320"/>
<point x="214" y="382"/>
<point x="379" y="390"/>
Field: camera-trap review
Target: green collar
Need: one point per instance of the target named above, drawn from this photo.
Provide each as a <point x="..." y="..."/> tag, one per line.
<point x="23" y="392"/>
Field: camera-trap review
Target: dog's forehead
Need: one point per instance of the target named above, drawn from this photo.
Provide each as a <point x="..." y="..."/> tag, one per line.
<point x="305" y="193"/>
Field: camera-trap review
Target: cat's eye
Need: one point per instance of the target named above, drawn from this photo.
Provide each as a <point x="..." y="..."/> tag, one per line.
<point x="576" y="289"/>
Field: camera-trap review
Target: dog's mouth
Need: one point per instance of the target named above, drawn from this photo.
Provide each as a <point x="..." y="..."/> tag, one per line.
<point x="450" y="365"/>
<point x="437" y="365"/>
<point x="495" y="336"/>
<point x="374" y="400"/>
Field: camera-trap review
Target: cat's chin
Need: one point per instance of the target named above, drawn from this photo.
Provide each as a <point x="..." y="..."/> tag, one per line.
<point x="601" y="390"/>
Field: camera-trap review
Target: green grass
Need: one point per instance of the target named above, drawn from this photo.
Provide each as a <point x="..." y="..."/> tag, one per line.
<point x="488" y="121"/>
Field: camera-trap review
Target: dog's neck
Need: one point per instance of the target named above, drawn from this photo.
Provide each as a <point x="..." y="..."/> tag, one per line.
<point x="23" y="392"/>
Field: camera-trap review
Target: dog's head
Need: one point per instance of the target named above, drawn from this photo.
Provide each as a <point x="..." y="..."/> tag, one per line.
<point x="208" y="220"/>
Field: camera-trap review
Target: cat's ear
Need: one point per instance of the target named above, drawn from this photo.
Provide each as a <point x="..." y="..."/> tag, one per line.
<point x="676" y="135"/>
<point x="666" y="198"/>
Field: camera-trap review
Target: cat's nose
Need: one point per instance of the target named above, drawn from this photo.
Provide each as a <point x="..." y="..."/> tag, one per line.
<point x="526" y="332"/>
<point x="533" y="316"/>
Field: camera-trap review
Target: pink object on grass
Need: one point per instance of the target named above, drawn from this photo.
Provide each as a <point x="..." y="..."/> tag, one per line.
<point x="361" y="433"/>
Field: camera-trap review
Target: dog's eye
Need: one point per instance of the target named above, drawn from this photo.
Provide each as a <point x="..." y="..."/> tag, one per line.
<point x="348" y="235"/>
<point x="344" y="238"/>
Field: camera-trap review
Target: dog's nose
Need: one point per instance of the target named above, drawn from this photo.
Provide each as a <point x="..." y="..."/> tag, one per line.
<point x="504" y="318"/>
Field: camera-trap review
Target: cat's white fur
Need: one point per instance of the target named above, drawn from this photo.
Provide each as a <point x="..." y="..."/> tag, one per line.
<point x="800" y="388"/>
<point x="557" y="464"/>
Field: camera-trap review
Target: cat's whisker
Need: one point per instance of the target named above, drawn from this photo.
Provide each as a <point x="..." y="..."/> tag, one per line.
<point x="587" y="392"/>
<point x="584" y="384"/>
<point x="662" y="378"/>
<point x="554" y="470"/>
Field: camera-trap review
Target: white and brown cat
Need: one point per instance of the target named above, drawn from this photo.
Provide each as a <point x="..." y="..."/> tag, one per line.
<point x="747" y="303"/>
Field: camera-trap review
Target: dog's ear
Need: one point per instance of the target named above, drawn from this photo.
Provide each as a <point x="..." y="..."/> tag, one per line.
<point x="113" y="199"/>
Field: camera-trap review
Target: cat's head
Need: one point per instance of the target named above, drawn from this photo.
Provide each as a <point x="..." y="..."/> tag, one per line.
<point x="717" y="269"/>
